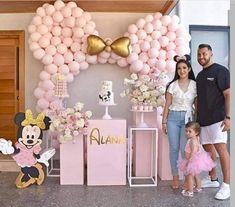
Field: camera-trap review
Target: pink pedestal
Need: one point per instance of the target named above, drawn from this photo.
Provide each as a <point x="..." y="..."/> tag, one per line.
<point x="106" y="152"/>
<point x="142" y="156"/>
<point x="72" y="162"/>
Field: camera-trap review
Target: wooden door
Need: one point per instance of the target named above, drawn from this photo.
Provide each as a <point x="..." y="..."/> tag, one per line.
<point x="11" y="85"/>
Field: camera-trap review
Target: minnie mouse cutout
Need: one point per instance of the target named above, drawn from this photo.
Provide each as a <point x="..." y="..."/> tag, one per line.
<point x="27" y="148"/>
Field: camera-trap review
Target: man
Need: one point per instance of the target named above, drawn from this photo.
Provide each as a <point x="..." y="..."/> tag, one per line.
<point x="213" y="113"/>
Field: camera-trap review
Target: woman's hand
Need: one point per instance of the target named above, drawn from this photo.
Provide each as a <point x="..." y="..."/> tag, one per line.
<point x="164" y="129"/>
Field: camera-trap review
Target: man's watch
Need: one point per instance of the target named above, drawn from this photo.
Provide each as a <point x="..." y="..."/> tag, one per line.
<point x="227" y="117"/>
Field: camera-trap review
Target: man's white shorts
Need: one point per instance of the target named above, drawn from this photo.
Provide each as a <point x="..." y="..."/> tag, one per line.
<point x="213" y="134"/>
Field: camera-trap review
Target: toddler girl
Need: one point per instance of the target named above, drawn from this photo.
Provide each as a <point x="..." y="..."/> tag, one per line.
<point x="196" y="160"/>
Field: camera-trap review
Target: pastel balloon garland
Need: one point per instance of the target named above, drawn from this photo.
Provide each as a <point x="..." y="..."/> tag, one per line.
<point x="58" y="37"/>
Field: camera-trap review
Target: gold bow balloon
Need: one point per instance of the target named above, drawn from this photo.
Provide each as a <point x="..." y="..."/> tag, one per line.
<point x="30" y="120"/>
<point x="119" y="47"/>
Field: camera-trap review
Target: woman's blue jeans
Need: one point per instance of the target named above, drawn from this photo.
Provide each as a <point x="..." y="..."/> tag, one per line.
<point x="176" y="136"/>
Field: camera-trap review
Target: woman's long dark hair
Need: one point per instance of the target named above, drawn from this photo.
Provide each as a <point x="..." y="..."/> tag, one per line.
<point x="186" y="61"/>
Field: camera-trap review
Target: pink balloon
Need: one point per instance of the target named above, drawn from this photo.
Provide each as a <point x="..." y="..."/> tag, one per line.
<point x="132" y="29"/>
<point x="141" y="34"/>
<point x="148" y="28"/>
<point x="111" y="61"/>
<point x="69" y="22"/>
<point x="91" y="59"/>
<point x="79" y="56"/>
<point x="157" y="15"/>
<point x="67" y="32"/>
<point x="170" y="54"/>
<point x="58" y="59"/>
<point x="64" y="69"/>
<point x="86" y="16"/>
<point x="153" y="53"/>
<point x="140" y="23"/>
<point x="77" y="12"/>
<point x="42" y="29"/>
<point x="47" y="59"/>
<point x="49" y="95"/>
<point x="161" y="64"/>
<point x="66" y="11"/>
<point x="145" y="70"/>
<point x="104" y="54"/>
<point x="133" y="38"/>
<point x="80" y="22"/>
<point x="163" y="41"/>
<point x="57" y="17"/>
<point x="136" y="66"/>
<point x="47" y="20"/>
<point x="149" y="18"/>
<point x="180" y="41"/>
<point x="162" y="54"/>
<point x="143" y="57"/>
<point x="136" y="48"/>
<point x="56" y="30"/>
<point x="175" y="19"/>
<point x="132" y="57"/>
<point x="44" y="75"/>
<point x="39" y="53"/>
<point x="171" y="46"/>
<point x="59" y="5"/>
<point x="43" y="42"/>
<point x="68" y="41"/>
<point x="39" y="93"/>
<point x="52" y="68"/>
<point x="145" y="46"/>
<point x="171" y="35"/>
<point x="48" y="85"/>
<point x="37" y="20"/>
<point x="51" y="50"/>
<point x="75" y="46"/>
<point x="68" y="57"/>
<point x="156" y="34"/>
<point x="155" y="44"/>
<point x="84" y="65"/>
<point x="69" y="77"/>
<point x="74" y="66"/>
<point x="50" y="9"/>
<point x="78" y="32"/>
<point x="157" y="24"/>
<point x="102" y="60"/>
<point x="55" y="41"/>
<point x="33" y="46"/>
<point x="61" y="48"/>
<point x="170" y="66"/>
<point x="42" y="103"/>
<point x="152" y="62"/>
<point x="172" y="27"/>
<point x="181" y="31"/>
<point x="148" y="38"/>
<point x="35" y="36"/>
<point x="163" y="30"/>
<point x="166" y="20"/>
<point x="122" y="62"/>
<point x="40" y="11"/>
<point x="88" y="29"/>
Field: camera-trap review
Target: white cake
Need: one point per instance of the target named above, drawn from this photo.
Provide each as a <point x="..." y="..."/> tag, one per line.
<point x="106" y="95"/>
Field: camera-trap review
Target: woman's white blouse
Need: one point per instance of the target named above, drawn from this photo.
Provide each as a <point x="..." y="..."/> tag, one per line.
<point x="182" y="101"/>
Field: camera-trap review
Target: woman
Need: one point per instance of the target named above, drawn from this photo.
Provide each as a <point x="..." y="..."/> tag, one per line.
<point x="180" y="98"/>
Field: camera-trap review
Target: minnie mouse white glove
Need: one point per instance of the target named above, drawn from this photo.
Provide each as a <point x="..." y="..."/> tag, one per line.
<point x="45" y="156"/>
<point x="6" y="147"/>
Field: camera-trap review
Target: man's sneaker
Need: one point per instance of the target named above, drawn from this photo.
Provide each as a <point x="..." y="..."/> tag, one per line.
<point x="224" y="192"/>
<point x="208" y="183"/>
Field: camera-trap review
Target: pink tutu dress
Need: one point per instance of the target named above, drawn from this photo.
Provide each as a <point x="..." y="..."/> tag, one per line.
<point x="201" y="161"/>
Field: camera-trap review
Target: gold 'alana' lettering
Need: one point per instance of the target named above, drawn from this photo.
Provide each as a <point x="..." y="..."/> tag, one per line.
<point x="95" y="137"/>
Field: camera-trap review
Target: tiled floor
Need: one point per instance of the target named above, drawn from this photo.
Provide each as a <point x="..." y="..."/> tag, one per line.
<point x="51" y="193"/>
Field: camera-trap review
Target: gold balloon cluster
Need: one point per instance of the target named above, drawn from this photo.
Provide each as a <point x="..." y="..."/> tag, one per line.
<point x="96" y="45"/>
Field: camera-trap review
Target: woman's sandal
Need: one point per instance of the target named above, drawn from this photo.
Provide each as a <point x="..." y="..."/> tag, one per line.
<point x="197" y="190"/>
<point x="187" y="194"/>
<point x="175" y="184"/>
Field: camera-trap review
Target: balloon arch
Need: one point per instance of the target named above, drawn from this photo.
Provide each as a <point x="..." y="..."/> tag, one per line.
<point x="58" y="37"/>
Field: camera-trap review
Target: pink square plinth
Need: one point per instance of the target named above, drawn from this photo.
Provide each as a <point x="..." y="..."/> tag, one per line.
<point x="72" y="162"/>
<point x="106" y="152"/>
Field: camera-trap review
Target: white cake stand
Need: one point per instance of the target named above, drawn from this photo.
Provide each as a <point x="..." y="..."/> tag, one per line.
<point x="107" y="115"/>
<point x="142" y="123"/>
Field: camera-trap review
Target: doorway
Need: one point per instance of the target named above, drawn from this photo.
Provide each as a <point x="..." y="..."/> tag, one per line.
<point x="12" y="81"/>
